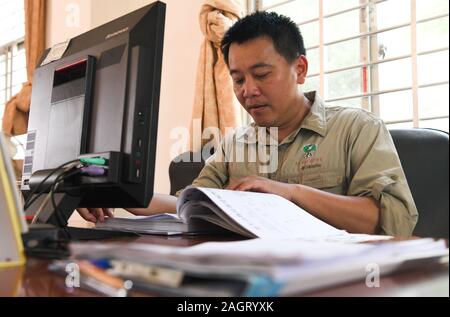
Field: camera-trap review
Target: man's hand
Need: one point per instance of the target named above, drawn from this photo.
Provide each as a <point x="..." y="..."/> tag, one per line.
<point x="160" y="203"/>
<point x="354" y="214"/>
<point x="95" y="214"/>
<point x="262" y="185"/>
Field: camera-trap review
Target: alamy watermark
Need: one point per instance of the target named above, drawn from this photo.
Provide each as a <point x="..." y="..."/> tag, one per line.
<point x="373" y="275"/>
<point x="72" y="18"/>
<point x="73" y="275"/>
<point x="249" y="145"/>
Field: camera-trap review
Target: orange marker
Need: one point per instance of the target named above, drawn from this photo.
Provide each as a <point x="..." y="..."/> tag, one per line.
<point x="100" y="275"/>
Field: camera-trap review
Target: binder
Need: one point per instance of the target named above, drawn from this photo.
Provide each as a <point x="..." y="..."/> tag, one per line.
<point x="12" y="221"/>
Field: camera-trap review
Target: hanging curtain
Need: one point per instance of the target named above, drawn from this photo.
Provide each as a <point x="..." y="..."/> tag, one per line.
<point x="15" y="118"/>
<point x="215" y="104"/>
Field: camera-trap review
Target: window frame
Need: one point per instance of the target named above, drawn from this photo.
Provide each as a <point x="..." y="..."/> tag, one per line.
<point x="370" y="100"/>
<point x="8" y="52"/>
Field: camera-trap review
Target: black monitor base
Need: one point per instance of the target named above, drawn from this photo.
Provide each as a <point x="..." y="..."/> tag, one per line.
<point x="82" y="234"/>
<point x="50" y="242"/>
<point x="53" y="220"/>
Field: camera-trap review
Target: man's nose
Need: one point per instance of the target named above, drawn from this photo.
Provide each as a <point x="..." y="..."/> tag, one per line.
<point x="250" y="89"/>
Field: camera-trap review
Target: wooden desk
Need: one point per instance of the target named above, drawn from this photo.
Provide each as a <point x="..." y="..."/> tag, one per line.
<point x="35" y="280"/>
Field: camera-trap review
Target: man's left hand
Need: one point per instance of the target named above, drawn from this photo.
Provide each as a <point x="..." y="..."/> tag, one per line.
<point x="262" y="185"/>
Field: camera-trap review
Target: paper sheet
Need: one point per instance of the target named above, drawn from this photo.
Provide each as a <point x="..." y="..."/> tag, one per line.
<point x="56" y="52"/>
<point x="270" y="216"/>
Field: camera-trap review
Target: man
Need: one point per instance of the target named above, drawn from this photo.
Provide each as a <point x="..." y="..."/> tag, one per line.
<point x="339" y="164"/>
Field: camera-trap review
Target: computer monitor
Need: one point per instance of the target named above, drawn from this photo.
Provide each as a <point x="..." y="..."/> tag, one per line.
<point x="96" y="105"/>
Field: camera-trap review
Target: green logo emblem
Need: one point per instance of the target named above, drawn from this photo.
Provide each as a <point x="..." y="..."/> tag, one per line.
<point x="309" y="149"/>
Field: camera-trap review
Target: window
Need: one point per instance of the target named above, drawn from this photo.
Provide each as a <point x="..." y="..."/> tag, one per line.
<point x="12" y="50"/>
<point x="386" y="56"/>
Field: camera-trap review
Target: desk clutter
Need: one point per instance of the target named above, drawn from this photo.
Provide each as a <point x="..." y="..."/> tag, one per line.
<point x="256" y="267"/>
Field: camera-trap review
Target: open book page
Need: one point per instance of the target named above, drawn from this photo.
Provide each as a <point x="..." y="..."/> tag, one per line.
<point x="207" y="211"/>
<point x="262" y="215"/>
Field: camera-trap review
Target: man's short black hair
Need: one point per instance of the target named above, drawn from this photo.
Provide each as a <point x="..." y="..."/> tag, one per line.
<point x="285" y="34"/>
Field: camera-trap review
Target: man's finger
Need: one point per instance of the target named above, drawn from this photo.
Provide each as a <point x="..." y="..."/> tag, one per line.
<point x="109" y="212"/>
<point x="252" y="185"/>
<point x="231" y="185"/>
<point x="98" y="212"/>
<point x="86" y="215"/>
<point x="235" y="183"/>
<point x="244" y="184"/>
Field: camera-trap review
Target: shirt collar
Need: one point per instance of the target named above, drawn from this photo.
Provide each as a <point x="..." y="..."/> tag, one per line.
<point x="316" y="118"/>
<point x="315" y="121"/>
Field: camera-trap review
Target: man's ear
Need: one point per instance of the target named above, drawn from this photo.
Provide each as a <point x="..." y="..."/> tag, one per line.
<point x="301" y="65"/>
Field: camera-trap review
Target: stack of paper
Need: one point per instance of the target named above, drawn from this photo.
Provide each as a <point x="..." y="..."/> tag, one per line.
<point x="263" y="267"/>
<point x="167" y="224"/>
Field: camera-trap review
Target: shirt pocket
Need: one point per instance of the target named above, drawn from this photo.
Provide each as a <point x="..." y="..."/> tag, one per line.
<point x="238" y="170"/>
<point x="330" y="181"/>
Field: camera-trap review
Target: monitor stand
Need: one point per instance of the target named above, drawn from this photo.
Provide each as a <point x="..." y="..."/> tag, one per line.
<point x="49" y="235"/>
<point x="83" y="234"/>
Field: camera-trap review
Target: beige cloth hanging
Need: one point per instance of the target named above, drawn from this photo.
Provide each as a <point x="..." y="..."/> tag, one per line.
<point x="15" y="118"/>
<point x="215" y="104"/>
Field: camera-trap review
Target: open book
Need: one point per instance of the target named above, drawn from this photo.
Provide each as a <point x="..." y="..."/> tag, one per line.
<point x="206" y="210"/>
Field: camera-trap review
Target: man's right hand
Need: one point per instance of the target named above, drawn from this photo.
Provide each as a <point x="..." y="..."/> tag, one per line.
<point x="160" y="203"/>
<point x="95" y="214"/>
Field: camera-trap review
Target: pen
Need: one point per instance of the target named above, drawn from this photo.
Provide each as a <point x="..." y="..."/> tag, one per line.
<point x="101" y="263"/>
<point x="102" y="288"/>
<point x="97" y="274"/>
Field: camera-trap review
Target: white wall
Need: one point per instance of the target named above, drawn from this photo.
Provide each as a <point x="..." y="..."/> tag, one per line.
<point x="181" y="49"/>
<point x="66" y="19"/>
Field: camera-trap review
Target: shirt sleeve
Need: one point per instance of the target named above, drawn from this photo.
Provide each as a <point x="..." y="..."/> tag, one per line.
<point x="376" y="171"/>
<point x="215" y="172"/>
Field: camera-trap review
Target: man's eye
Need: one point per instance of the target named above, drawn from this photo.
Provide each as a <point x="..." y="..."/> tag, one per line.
<point x="238" y="81"/>
<point x="261" y="76"/>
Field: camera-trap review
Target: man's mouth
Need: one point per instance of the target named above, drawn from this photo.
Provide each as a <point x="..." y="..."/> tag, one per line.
<point x="256" y="110"/>
<point x="255" y="107"/>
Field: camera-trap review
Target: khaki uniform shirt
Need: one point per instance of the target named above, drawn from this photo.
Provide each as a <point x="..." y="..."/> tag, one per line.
<point x="344" y="151"/>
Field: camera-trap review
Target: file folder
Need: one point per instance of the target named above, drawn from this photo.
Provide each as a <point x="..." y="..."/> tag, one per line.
<point x="12" y="222"/>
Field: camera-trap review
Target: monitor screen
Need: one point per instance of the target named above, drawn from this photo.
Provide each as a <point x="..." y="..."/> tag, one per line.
<point x="93" y="119"/>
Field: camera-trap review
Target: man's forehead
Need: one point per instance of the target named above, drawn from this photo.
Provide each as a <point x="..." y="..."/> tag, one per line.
<point x="263" y="43"/>
<point x="253" y="54"/>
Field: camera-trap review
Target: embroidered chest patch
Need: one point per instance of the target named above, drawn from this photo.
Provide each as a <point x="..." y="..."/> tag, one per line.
<point x="309" y="150"/>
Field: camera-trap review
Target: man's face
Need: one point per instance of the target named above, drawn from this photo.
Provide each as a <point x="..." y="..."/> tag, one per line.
<point x="266" y="84"/>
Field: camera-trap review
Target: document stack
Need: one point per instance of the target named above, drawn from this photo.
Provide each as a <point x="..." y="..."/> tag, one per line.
<point x="256" y="267"/>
